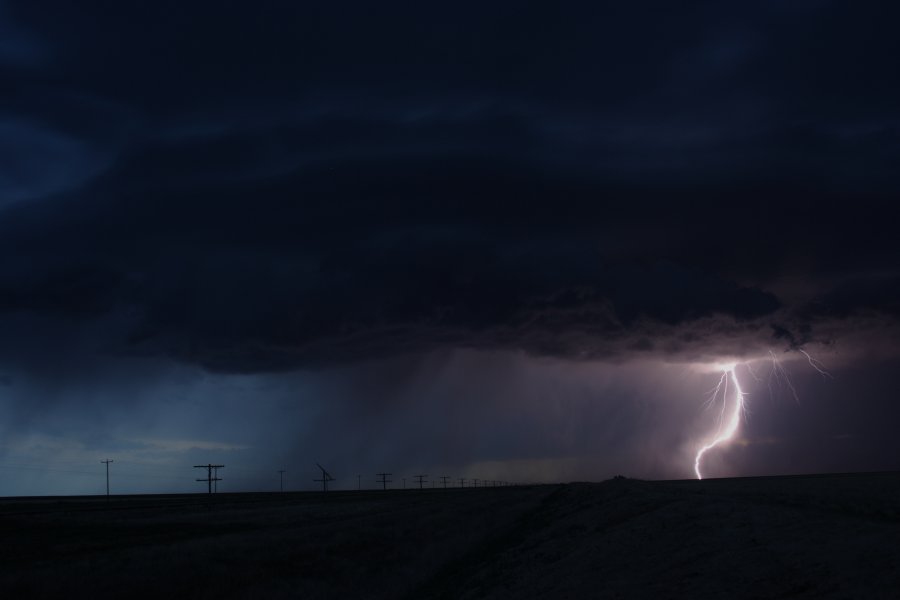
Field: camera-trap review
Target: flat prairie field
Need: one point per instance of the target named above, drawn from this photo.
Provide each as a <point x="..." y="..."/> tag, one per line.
<point x="817" y="536"/>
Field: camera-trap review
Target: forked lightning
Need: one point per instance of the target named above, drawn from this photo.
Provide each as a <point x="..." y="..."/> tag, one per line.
<point x="727" y="426"/>
<point x="733" y="408"/>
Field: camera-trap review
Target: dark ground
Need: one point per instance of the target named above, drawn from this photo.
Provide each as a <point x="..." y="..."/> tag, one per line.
<point x="832" y="536"/>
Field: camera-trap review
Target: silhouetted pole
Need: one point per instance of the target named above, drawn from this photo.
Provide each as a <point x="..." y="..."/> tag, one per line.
<point x="384" y="479"/>
<point x="358" y="482"/>
<point x="209" y="475"/>
<point x="281" y="473"/>
<point x="462" y="482"/>
<point x="326" y="477"/>
<point x="421" y="479"/>
<point x="444" y="479"/>
<point x="404" y="483"/>
<point x="474" y="483"/>
<point x="106" y="462"/>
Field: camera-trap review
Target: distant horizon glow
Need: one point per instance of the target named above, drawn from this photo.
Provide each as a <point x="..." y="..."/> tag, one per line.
<point x="573" y="421"/>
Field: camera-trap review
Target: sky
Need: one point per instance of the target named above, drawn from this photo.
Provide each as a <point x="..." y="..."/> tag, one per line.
<point x="507" y="240"/>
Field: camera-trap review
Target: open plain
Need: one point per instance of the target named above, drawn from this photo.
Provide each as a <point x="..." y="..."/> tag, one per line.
<point x="824" y="536"/>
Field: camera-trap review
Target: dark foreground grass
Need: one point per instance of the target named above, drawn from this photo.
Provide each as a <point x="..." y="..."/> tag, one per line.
<point x="810" y="537"/>
<point x="343" y="544"/>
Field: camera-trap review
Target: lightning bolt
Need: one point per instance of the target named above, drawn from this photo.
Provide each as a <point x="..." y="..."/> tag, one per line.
<point x="778" y="370"/>
<point x="816" y="364"/>
<point x="727" y="427"/>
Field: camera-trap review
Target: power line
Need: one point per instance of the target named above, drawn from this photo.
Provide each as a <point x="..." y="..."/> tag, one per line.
<point x="50" y="470"/>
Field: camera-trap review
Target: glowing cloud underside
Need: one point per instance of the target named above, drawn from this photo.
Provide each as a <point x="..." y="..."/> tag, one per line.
<point x="728" y="426"/>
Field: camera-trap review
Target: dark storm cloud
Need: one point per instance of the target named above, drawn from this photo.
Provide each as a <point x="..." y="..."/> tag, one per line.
<point x="279" y="185"/>
<point x="18" y="47"/>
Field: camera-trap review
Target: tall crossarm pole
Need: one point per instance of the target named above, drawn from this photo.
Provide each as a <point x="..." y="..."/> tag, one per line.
<point x="209" y="475"/>
<point x="106" y="462"/>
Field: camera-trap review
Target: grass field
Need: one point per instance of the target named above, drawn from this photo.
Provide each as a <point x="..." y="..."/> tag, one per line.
<point x="832" y="536"/>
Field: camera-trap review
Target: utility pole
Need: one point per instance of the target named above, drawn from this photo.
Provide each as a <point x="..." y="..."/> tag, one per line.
<point x="325" y="478"/>
<point x="106" y="462"/>
<point x="358" y="483"/>
<point x="421" y="479"/>
<point x="384" y="479"/>
<point x="281" y="473"/>
<point x="404" y="483"/>
<point x="474" y="483"/>
<point x="462" y="482"/>
<point x="209" y="475"/>
<point x="444" y="479"/>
